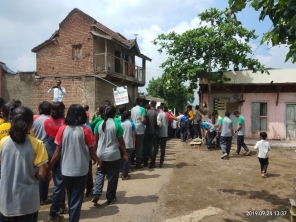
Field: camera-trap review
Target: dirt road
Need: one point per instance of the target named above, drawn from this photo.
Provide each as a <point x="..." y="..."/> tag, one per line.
<point x="196" y="185"/>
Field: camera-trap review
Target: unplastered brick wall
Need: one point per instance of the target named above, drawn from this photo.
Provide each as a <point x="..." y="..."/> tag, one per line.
<point x="19" y="86"/>
<point x="74" y="91"/>
<point x="104" y="91"/>
<point x="56" y="59"/>
<point x="88" y="92"/>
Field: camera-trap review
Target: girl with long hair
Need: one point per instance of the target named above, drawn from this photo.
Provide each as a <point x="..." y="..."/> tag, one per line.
<point x="20" y="154"/>
<point x="110" y="137"/>
<point x="74" y="145"/>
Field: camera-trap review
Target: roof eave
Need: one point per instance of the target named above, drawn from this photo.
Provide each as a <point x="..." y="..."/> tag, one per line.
<point x="47" y="42"/>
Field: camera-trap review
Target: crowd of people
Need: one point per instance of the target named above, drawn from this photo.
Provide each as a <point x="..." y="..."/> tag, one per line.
<point x="63" y="147"/>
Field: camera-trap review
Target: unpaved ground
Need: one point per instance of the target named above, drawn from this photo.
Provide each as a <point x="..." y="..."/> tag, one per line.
<point x="201" y="180"/>
<point x="196" y="185"/>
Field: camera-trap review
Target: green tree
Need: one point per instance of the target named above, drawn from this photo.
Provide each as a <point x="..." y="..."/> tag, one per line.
<point x="282" y="13"/>
<point x="208" y="51"/>
<point x="174" y="98"/>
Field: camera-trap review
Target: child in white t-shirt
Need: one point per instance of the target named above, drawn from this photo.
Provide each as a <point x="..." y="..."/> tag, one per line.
<point x="263" y="147"/>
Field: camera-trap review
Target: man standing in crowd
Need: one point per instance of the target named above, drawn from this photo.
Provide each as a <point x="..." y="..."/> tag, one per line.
<point x="170" y="120"/>
<point x="216" y="125"/>
<point x="171" y="129"/>
<point x="58" y="92"/>
<point x="162" y="122"/>
<point x="196" y="126"/>
<point x="178" y="133"/>
<point x="189" y="122"/>
<point x="138" y="117"/>
<point x="241" y="131"/>
<point x="180" y="115"/>
<point x="227" y="132"/>
<point x="150" y="147"/>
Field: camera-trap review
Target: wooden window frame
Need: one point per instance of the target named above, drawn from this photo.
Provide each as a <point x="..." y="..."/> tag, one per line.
<point x="77" y="52"/>
<point x="259" y="117"/>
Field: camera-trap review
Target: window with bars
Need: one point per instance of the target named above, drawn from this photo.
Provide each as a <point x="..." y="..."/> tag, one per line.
<point x="259" y="116"/>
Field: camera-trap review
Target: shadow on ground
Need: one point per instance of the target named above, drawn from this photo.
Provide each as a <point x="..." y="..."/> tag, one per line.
<point x="280" y="211"/>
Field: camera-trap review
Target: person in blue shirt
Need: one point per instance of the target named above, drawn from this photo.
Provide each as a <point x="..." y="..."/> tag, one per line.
<point x="183" y="129"/>
<point x="211" y="132"/>
<point x="129" y="137"/>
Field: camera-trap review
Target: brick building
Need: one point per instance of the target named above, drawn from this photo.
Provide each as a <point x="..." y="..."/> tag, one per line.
<point x="85" y="55"/>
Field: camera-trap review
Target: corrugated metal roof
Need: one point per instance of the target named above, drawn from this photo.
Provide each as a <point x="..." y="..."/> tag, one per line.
<point x="279" y="76"/>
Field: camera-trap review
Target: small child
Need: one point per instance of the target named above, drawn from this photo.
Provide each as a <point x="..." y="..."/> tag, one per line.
<point x="263" y="148"/>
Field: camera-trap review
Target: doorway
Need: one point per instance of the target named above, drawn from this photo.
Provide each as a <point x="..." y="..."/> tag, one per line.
<point x="220" y="106"/>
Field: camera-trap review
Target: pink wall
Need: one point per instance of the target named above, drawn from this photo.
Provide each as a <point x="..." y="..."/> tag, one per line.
<point x="276" y="118"/>
<point x="276" y="115"/>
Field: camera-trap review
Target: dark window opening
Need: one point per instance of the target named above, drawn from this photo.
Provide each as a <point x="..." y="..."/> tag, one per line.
<point x="76" y="52"/>
<point x="117" y="61"/>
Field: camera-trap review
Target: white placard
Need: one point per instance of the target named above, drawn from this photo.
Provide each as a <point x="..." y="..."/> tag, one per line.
<point x="121" y="95"/>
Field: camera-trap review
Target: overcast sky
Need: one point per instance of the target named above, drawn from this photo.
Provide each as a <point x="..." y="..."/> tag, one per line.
<point x="27" y="23"/>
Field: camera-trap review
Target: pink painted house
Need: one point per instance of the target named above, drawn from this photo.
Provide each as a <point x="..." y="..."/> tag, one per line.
<point x="268" y="102"/>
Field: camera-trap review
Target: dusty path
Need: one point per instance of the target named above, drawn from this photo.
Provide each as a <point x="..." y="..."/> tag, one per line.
<point x="137" y="198"/>
<point x="228" y="190"/>
<point x="196" y="185"/>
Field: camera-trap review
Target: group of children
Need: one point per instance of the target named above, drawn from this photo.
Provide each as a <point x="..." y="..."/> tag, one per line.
<point x="52" y="145"/>
<point x="34" y="149"/>
<point x="222" y="130"/>
<point x="58" y="146"/>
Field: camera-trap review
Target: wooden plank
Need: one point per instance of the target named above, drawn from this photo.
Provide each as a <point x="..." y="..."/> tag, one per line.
<point x="106" y="53"/>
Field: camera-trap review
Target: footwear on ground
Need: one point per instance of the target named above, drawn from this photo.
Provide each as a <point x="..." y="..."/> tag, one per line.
<point x="45" y="202"/>
<point x="126" y="177"/>
<point x="55" y="218"/>
<point x="95" y="199"/>
<point x="112" y="201"/>
<point x="224" y="155"/>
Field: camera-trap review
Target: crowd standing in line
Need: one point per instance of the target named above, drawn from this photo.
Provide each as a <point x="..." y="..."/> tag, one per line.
<point x="54" y="146"/>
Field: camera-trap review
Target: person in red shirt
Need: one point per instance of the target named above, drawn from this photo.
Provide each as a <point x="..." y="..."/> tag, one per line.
<point x="170" y="117"/>
<point x="75" y="147"/>
<point x="51" y="126"/>
<point x="86" y="108"/>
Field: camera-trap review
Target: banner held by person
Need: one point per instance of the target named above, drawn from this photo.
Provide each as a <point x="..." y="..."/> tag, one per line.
<point x="121" y="95"/>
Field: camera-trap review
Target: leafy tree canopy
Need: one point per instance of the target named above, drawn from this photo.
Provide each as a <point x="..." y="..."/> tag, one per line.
<point x="197" y="52"/>
<point x="174" y="98"/>
<point x="282" y="13"/>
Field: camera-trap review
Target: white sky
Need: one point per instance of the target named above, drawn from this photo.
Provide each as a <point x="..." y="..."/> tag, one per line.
<point x="27" y="23"/>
